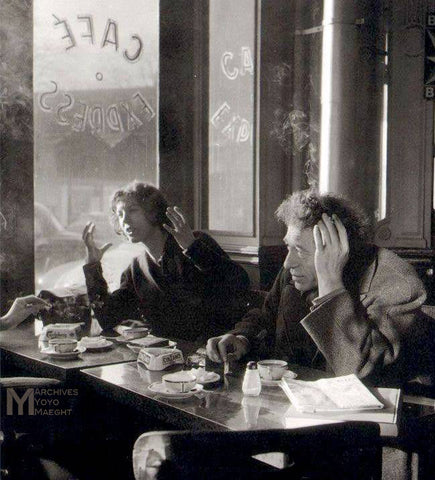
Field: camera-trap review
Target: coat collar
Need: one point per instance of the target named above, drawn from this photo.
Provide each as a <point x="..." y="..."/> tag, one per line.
<point x="367" y="278"/>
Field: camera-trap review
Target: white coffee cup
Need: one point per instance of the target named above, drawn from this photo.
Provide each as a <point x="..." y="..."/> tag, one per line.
<point x="179" y="382"/>
<point x="63" y="345"/>
<point x="272" y="369"/>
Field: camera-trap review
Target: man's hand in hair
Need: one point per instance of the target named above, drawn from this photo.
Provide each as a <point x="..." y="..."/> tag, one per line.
<point x="332" y="253"/>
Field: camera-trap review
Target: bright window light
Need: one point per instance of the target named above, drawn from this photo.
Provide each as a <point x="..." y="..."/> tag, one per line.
<point x="384" y="143"/>
<point x="326" y="96"/>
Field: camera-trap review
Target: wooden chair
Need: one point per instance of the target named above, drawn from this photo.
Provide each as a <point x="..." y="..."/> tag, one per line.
<point x="349" y="450"/>
<point x="419" y="438"/>
<point x="421" y="338"/>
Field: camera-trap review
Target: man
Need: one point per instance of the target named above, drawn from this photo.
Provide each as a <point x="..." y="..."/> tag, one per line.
<point x="338" y="303"/>
<point x="184" y="285"/>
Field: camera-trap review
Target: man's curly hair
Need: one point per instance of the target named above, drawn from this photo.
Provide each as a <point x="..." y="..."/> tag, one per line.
<point x="304" y="209"/>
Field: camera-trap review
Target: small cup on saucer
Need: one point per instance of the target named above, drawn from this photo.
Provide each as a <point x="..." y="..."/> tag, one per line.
<point x="272" y="370"/>
<point x="179" y="382"/>
<point x="63" y="345"/>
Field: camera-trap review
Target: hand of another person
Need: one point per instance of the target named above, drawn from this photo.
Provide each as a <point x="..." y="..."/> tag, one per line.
<point x="94" y="253"/>
<point x="219" y="348"/>
<point x="22" y="308"/>
<point x="332" y="253"/>
<point x="181" y="230"/>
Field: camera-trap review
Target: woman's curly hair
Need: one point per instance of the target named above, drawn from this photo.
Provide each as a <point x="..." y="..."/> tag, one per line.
<point x="148" y="197"/>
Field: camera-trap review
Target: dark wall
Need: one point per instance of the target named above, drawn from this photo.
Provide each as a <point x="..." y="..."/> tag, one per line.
<point x="16" y="150"/>
<point x="177" y="102"/>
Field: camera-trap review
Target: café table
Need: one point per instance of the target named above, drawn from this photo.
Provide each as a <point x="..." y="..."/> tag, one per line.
<point x="21" y="354"/>
<point x="224" y="407"/>
<point x="218" y="406"/>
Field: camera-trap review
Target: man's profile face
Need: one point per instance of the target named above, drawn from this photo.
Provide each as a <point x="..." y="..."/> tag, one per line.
<point x="300" y="257"/>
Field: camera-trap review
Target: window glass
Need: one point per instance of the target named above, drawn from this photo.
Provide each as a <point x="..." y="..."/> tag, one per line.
<point x="95" y="124"/>
<point x="300" y="129"/>
<point x="231" y="122"/>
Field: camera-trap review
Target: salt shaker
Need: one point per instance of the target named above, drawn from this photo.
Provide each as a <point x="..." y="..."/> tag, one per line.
<point x="251" y="381"/>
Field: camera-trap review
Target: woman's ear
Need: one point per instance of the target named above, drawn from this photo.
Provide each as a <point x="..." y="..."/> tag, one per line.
<point x="153" y="219"/>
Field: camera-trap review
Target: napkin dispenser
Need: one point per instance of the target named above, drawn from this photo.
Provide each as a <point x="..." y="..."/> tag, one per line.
<point x="131" y="333"/>
<point x="61" y="330"/>
<point x="156" y="359"/>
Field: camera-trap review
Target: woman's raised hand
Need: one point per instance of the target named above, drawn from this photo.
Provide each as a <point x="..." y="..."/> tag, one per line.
<point x="181" y="230"/>
<point x="94" y="253"/>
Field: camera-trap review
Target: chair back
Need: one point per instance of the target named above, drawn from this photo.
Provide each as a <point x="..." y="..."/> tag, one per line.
<point x="348" y="450"/>
<point x="420" y="344"/>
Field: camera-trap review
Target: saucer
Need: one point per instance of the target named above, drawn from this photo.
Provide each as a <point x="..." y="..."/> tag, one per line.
<point x="158" y="387"/>
<point x="276" y="383"/>
<point x="209" y="377"/>
<point x="134" y="348"/>
<point x="95" y="348"/>
<point x="64" y="355"/>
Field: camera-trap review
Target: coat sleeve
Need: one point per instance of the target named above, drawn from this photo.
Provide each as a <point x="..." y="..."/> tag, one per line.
<point x="111" y="308"/>
<point x="209" y="258"/>
<point x="367" y="337"/>
<point x="261" y="322"/>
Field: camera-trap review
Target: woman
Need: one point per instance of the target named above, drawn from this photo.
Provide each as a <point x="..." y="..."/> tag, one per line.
<point x="21" y="309"/>
<point x="184" y="285"/>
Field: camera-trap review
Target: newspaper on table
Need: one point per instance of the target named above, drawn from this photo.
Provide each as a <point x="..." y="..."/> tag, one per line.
<point x="330" y="394"/>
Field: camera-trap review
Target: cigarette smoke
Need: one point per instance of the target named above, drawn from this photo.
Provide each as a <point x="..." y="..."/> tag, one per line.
<point x="296" y="133"/>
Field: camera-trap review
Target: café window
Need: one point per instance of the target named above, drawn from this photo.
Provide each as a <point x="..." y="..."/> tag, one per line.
<point x="96" y="74"/>
<point x="263" y="94"/>
<point x="280" y="97"/>
<point x="232" y="79"/>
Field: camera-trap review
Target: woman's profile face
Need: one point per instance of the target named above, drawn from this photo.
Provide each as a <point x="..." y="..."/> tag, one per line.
<point x="133" y="221"/>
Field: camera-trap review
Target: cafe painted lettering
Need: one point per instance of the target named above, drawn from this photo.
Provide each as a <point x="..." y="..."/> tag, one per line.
<point x="245" y="65"/>
<point x="128" y="114"/>
<point x="229" y="114"/>
<point x="219" y="116"/>
<point x="72" y="29"/>
<point x="238" y="129"/>
<point x="233" y="127"/>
